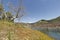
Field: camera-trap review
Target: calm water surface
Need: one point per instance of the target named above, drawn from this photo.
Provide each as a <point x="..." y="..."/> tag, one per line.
<point x="54" y="35"/>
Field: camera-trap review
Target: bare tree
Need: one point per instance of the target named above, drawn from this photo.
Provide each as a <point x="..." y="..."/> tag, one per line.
<point x="19" y="10"/>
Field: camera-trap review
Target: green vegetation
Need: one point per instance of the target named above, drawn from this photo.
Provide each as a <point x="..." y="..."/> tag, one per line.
<point x="55" y="20"/>
<point x="5" y="15"/>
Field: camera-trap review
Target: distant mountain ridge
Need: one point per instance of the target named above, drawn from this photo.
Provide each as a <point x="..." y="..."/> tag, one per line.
<point x="55" y="20"/>
<point x="48" y="23"/>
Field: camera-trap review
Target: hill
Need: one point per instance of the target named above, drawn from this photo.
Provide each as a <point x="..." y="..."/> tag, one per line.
<point x="55" y="20"/>
<point x="48" y="23"/>
<point x="11" y="31"/>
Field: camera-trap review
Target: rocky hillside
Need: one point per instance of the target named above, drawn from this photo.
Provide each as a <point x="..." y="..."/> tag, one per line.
<point x="11" y="31"/>
<point x="48" y="23"/>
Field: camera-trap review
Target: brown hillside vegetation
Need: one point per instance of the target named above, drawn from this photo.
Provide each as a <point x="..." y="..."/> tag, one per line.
<point x="55" y="22"/>
<point x="11" y="31"/>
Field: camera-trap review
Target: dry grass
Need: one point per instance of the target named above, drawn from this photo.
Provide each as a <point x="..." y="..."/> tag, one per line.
<point x="11" y="31"/>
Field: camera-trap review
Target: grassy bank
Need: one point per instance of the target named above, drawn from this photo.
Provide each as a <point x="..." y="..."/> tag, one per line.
<point x="11" y="31"/>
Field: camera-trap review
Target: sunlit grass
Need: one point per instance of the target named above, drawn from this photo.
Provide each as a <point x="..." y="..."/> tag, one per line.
<point x="11" y="31"/>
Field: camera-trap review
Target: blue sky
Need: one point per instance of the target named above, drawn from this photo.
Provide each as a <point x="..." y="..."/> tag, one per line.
<point x="38" y="9"/>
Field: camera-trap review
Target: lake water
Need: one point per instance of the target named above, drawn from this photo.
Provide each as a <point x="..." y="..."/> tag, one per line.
<point x="54" y="35"/>
<point x="52" y="32"/>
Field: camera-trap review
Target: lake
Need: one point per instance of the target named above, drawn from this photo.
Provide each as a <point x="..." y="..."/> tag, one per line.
<point x="54" y="35"/>
<point x="52" y="32"/>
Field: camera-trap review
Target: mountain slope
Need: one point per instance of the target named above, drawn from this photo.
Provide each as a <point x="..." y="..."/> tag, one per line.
<point x="11" y="31"/>
<point x="55" y="20"/>
<point x="48" y="23"/>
